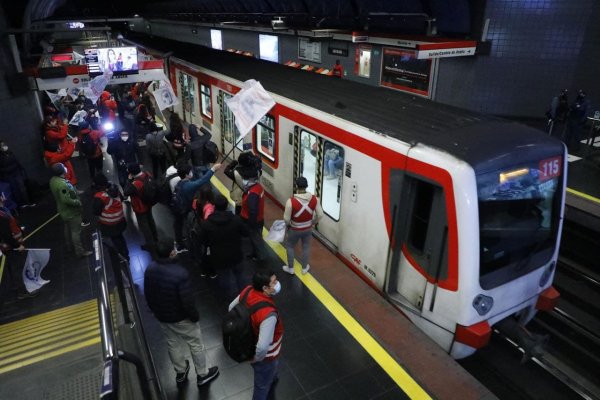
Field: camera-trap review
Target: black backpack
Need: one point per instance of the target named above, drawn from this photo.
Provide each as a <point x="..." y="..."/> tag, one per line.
<point x="164" y="194"/>
<point x="178" y="204"/>
<point x="87" y="146"/>
<point x="149" y="189"/>
<point x="239" y="340"/>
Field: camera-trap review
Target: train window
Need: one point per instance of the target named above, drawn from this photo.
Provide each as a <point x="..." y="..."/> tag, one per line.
<point x="230" y="131"/>
<point x="265" y="137"/>
<point x="519" y="211"/>
<point x="206" y="101"/>
<point x="308" y="159"/>
<point x="333" y="165"/>
<point x="420" y="216"/>
<point x="187" y="84"/>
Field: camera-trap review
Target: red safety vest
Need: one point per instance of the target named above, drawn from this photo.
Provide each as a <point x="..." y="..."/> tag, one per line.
<point x="260" y="192"/>
<point x="302" y="213"/>
<point x="112" y="213"/>
<point x="259" y="316"/>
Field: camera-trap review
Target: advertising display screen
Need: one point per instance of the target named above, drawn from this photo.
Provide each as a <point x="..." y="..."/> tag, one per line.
<point x="402" y="70"/>
<point x="119" y="60"/>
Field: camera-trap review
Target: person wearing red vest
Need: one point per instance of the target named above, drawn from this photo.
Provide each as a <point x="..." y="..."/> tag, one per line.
<point x="302" y="212"/>
<point x="253" y="208"/>
<point x="143" y="210"/>
<point x="107" y="206"/>
<point x="268" y="329"/>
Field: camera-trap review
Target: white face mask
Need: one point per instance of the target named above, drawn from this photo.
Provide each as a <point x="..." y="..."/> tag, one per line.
<point x="124" y="138"/>
<point x="4" y="148"/>
<point x="276" y="288"/>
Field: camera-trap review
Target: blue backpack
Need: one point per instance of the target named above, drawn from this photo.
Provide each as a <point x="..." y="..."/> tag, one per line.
<point x="179" y="205"/>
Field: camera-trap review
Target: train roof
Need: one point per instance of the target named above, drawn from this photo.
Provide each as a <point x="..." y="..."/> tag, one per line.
<point x="475" y="138"/>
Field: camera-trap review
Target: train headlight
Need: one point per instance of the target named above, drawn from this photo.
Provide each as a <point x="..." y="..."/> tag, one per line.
<point x="482" y="304"/>
<point x="547" y="274"/>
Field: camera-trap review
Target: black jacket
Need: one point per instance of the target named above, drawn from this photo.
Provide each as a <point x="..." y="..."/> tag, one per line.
<point x="124" y="152"/>
<point x="169" y="293"/>
<point x="195" y="148"/>
<point x="9" y="165"/>
<point x="222" y="232"/>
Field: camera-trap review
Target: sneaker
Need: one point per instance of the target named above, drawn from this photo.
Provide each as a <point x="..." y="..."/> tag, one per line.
<point x="213" y="372"/>
<point x="305" y="270"/>
<point x="213" y="275"/>
<point x="85" y="223"/>
<point x="182" y="377"/>
<point x="86" y="253"/>
<point x="26" y="295"/>
<point x="287" y="269"/>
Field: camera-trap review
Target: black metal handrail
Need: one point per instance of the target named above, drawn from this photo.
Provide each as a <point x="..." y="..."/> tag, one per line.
<point x="112" y="355"/>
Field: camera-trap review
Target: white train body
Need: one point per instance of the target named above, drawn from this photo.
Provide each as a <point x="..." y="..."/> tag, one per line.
<point x="435" y="275"/>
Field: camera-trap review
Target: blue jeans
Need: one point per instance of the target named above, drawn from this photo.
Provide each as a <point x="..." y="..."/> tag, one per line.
<point x="292" y="238"/>
<point x="265" y="372"/>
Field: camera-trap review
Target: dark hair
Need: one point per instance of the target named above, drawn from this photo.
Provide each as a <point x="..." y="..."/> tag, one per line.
<point x="164" y="248"/>
<point x="134" y="168"/>
<point x="301" y="182"/>
<point x="262" y="278"/>
<point x="101" y="181"/>
<point x="205" y="195"/>
<point x="58" y="169"/>
<point x="221" y="203"/>
<point x="183" y="169"/>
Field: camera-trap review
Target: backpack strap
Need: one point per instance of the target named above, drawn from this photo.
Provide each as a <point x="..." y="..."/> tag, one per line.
<point x="257" y="306"/>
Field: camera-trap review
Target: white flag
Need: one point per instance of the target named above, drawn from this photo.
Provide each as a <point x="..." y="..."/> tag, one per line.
<point x="54" y="98"/>
<point x="249" y="106"/>
<point x="36" y="261"/>
<point x="62" y="92"/>
<point x="98" y="84"/>
<point x="78" y="117"/>
<point x="164" y="95"/>
<point x="74" y="92"/>
<point x="87" y="92"/>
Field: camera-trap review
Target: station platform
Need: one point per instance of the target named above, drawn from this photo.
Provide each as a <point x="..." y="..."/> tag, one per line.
<point x="342" y="339"/>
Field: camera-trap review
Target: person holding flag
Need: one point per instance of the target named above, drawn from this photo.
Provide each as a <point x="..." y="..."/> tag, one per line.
<point x="11" y="246"/>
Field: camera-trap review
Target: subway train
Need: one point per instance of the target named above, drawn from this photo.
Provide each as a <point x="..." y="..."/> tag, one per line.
<point x="453" y="216"/>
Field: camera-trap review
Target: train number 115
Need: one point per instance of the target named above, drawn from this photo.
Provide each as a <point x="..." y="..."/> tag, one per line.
<point x="550" y="168"/>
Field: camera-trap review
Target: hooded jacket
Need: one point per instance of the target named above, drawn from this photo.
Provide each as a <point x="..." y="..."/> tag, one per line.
<point x="63" y="155"/>
<point x="195" y="148"/>
<point x="222" y="232"/>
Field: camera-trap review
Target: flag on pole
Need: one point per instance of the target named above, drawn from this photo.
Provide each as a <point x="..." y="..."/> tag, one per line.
<point x="249" y="105"/>
<point x="98" y="84"/>
<point x="73" y="92"/>
<point x="165" y="96"/>
<point x="78" y="117"/>
<point x="62" y="92"/>
<point x="54" y="98"/>
<point x="36" y="261"/>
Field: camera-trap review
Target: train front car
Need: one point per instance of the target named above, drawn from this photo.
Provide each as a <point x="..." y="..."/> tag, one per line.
<point x="520" y="187"/>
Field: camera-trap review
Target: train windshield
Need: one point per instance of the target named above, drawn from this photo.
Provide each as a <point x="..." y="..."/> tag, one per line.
<point x="518" y="219"/>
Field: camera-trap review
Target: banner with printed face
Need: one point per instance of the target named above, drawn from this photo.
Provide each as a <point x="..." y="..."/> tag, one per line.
<point x="36" y="261"/>
<point x="165" y="96"/>
<point x="98" y="84"/>
<point x="78" y="117"/>
<point x="249" y="105"/>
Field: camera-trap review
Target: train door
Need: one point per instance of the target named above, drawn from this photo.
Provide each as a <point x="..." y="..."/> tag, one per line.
<point x="321" y="162"/>
<point x="187" y="85"/>
<point x="230" y="135"/>
<point x="420" y="256"/>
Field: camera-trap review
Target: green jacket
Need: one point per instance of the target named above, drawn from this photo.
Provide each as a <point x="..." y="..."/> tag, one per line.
<point x="67" y="199"/>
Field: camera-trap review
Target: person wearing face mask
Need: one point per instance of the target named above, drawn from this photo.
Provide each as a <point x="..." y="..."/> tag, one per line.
<point x="268" y="329"/>
<point x="13" y="173"/>
<point x="170" y="297"/>
<point x="124" y="151"/>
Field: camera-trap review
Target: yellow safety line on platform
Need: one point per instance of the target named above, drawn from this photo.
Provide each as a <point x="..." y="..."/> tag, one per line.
<point x="25" y="238"/>
<point x="379" y="354"/>
<point x="51" y="354"/>
<point x="583" y="195"/>
<point x="48" y="335"/>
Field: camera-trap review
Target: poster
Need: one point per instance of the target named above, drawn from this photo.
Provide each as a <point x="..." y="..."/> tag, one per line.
<point x="401" y="70"/>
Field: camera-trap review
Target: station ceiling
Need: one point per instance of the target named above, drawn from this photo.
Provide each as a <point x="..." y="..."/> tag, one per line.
<point x="452" y="17"/>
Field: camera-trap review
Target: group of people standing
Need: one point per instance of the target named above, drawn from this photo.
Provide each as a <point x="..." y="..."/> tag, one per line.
<point x="567" y="121"/>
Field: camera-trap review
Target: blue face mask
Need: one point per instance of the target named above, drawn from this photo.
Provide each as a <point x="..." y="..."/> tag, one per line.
<point x="277" y="288"/>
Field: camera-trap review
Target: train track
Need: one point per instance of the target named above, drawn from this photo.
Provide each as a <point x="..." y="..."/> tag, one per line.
<point x="571" y="360"/>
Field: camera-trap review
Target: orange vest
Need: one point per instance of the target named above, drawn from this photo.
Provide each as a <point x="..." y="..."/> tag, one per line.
<point x="260" y="192"/>
<point x="302" y="213"/>
<point x="259" y="316"/>
<point x="112" y="213"/>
